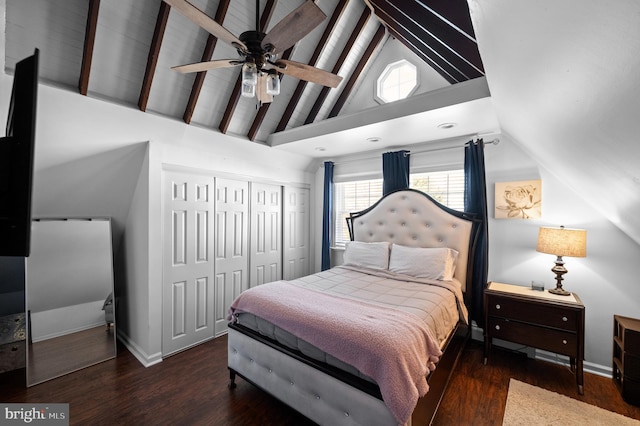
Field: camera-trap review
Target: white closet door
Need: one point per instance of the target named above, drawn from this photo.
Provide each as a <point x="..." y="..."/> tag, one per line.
<point x="188" y="310"/>
<point x="296" y="232"/>
<point x="231" y="246"/>
<point x="266" y="234"/>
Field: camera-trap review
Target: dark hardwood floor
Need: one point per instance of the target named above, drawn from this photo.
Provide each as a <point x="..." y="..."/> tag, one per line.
<point x="190" y="388"/>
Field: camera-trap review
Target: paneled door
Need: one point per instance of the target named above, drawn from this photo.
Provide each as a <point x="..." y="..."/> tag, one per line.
<point x="231" y="246"/>
<point x="188" y="263"/>
<point x="266" y="234"/>
<point x="296" y="233"/>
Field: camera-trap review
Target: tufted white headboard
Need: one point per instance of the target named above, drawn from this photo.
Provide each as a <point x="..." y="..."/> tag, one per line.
<point x="412" y="218"/>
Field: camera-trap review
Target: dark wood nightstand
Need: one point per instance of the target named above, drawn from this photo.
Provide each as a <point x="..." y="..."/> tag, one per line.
<point x="537" y="319"/>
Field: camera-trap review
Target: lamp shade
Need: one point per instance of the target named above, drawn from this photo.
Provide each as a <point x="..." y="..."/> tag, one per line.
<point x="562" y="241"/>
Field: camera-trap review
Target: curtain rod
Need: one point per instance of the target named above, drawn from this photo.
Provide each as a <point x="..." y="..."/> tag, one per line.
<point x="491" y="142"/>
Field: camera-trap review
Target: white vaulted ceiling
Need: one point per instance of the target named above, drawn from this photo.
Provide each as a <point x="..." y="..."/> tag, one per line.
<point x="122" y="51"/>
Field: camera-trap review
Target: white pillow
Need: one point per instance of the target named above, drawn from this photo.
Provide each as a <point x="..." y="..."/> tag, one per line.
<point x="438" y="263"/>
<point x="370" y="255"/>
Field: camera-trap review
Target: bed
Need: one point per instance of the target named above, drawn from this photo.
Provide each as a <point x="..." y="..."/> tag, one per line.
<point x="367" y="342"/>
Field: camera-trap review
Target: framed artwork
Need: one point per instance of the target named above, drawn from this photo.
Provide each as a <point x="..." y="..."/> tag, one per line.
<point x="518" y="200"/>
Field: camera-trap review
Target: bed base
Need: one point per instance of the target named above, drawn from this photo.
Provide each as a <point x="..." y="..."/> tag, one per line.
<point x="323" y="393"/>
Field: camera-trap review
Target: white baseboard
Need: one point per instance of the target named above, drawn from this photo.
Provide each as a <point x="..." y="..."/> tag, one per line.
<point x="590" y="367"/>
<point x="141" y="355"/>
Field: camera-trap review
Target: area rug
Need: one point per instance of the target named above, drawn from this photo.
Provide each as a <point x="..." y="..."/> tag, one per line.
<point x="531" y="405"/>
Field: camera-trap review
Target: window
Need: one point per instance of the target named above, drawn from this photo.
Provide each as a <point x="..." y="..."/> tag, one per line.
<point x="447" y="187"/>
<point x="397" y="81"/>
<point x="352" y="197"/>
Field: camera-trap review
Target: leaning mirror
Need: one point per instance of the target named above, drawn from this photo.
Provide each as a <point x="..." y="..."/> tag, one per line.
<point x="69" y="297"/>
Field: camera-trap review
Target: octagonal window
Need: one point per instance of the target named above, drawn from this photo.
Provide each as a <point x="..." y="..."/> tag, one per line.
<point x="397" y="81"/>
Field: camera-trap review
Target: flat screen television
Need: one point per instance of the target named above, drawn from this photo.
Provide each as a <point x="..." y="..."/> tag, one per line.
<point x="16" y="160"/>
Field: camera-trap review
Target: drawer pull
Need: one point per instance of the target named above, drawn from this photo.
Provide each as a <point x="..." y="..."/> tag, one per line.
<point x="497" y="306"/>
<point x="564" y="319"/>
<point x="497" y="327"/>
<point x="564" y="342"/>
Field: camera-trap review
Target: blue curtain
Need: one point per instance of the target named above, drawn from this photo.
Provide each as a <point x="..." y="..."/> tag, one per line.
<point x="475" y="201"/>
<point x="395" y="171"/>
<point x="327" y="215"/>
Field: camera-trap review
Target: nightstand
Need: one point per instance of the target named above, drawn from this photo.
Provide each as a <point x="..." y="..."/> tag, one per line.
<point x="537" y="319"/>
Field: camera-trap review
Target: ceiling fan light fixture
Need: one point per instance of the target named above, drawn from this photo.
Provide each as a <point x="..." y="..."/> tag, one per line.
<point x="249" y="74"/>
<point x="273" y="84"/>
<point x="248" y="90"/>
<point x="249" y="79"/>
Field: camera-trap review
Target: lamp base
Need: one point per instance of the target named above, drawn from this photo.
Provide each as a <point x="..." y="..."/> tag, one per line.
<point x="560" y="291"/>
<point x="559" y="270"/>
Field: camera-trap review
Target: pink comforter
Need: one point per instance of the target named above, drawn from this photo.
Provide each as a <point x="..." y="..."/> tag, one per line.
<point x="394" y="348"/>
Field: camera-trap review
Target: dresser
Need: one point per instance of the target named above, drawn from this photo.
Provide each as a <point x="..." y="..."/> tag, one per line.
<point x="536" y="319"/>
<point x="626" y="357"/>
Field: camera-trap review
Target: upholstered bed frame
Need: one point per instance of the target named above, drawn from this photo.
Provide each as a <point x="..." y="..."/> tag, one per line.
<point x="327" y="395"/>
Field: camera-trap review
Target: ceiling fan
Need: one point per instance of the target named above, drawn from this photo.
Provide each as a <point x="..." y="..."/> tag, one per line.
<point x="259" y="51"/>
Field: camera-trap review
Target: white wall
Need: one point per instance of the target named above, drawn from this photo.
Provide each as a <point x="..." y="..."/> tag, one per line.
<point x="604" y="280"/>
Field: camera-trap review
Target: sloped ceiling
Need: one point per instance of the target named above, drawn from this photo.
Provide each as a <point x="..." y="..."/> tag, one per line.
<point x="122" y="51"/>
<point x="563" y="79"/>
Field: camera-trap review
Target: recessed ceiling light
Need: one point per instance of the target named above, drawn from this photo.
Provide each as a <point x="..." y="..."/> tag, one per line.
<point x="374" y="139"/>
<point x="320" y="148"/>
<point x="447" y="125"/>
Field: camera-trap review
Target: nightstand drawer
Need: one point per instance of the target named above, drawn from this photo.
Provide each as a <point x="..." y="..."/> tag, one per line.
<point x="538" y="313"/>
<point x="562" y="342"/>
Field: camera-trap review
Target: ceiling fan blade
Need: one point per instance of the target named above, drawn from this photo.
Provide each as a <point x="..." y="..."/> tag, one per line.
<point x="208" y="65"/>
<point x="293" y="27"/>
<point x="204" y="21"/>
<point x="261" y="90"/>
<point x="307" y="73"/>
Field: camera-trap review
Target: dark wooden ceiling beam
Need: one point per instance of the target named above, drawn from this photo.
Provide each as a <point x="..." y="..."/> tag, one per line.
<point x="418" y="19"/>
<point x="297" y="94"/>
<point x="416" y="43"/>
<point x="315" y="109"/>
<point x="89" y="40"/>
<point x="154" y="52"/>
<point x="355" y="76"/>
<point x="444" y="56"/>
<point x="236" y="93"/>
<point x="455" y="12"/>
<point x="207" y="54"/>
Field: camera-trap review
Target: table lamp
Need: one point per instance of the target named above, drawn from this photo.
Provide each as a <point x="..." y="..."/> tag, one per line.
<point x="561" y="242"/>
